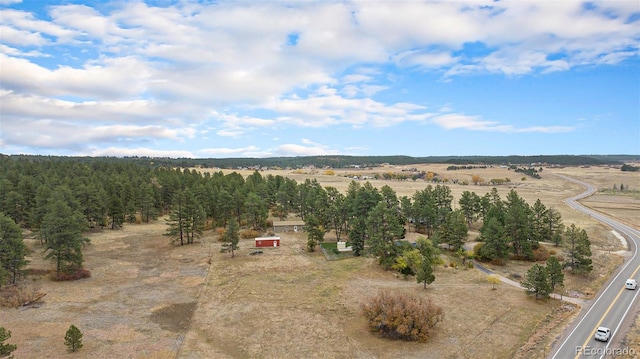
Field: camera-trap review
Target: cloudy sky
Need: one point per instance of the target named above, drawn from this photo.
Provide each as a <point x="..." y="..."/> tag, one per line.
<point x="214" y="79"/>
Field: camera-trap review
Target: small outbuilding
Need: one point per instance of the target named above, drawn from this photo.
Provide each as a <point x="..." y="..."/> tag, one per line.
<point x="263" y="242"/>
<point x="288" y="226"/>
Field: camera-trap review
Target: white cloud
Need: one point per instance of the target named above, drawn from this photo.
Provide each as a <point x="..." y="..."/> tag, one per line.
<point x="142" y="72"/>
<point x="327" y="108"/>
<point x="109" y="78"/>
<point x="140" y="152"/>
<point x="451" y="121"/>
<point x="228" y="152"/>
<point x="300" y="150"/>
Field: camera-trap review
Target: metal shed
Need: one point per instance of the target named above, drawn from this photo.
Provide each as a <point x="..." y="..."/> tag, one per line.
<point x="264" y="242"/>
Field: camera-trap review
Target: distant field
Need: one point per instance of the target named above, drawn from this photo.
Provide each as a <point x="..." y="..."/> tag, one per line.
<point x="147" y="299"/>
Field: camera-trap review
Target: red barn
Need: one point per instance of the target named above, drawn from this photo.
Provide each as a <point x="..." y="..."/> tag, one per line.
<point x="262" y="242"/>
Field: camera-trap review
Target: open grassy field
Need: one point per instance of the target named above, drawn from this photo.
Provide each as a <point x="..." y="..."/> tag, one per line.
<point x="148" y="299"/>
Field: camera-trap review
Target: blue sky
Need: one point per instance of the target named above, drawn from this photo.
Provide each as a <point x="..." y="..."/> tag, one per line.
<point x="216" y="79"/>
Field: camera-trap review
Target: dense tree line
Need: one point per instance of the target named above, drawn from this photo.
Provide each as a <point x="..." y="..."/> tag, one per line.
<point x="60" y="200"/>
<point x="344" y="161"/>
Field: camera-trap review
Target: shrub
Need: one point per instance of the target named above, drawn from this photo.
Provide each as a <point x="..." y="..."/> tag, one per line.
<point x="14" y="296"/>
<point x="552" y="252"/>
<point x="249" y="233"/>
<point x="269" y="223"/>
<point x="75" y="274"/>
<point x="401" y="316"/>
<point x="498" y="261"/>
<point x="477" y="249"/>
<point x="220" y="232"/>
<point x="540" y="254"/>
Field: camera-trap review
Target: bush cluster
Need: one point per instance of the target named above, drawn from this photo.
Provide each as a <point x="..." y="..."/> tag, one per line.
<point x="541" y="254"/>
<point x="400" y="316"/>
<point x="249" y="233"/>
<point x="79" y="273"/>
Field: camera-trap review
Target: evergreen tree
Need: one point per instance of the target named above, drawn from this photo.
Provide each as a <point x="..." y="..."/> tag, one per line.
<point x="425" y="273"/>
<point x="470" y="205"/>
<point x="384" y="229"/>
<point x="256" y="211"/>
<point x="360" y="201"/>
<point x="536" y="281"/>
<point x="518" y="226"/>
<point x="116" y="211"/>
<point x="553" y="226"/>
<point x="556" y="276"/>
<point x="495" y="244"/>
<point x="443" y="200"/>
<point x="579" y="250"/>
<point x="406" y="208"/>
<point x="453" y="231"/>
<point x="73" y="338"/>
<point x="13" y="250"/>
<point x="6" y="349"/>
<point x="424" y="210"/>
<point x="428" y="251"/>
<point x="148" y="208"/>
<point x="337" y="211"/>
<point x="14" y="206"/>
<point x="194" y="216"/>
<point x="539" y="230"/>
<point x="231" y="238"/>
<point x="62" y="232"/>
<point x="315" y="232"/>
<point x="178" y="221"/>
<point x="224" y="206"/>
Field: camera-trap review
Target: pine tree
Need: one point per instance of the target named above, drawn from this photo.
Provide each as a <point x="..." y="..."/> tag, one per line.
<point x="178" y="222"/>
<point x="231" y="237"/>
<point x="556" y="276"/>
<point x="73" y="338"/>
<point x="384" y="229"/>
<point x="537" y="281"/>
<point x="425" y="273"/>
<point x="579" y="250"/>
<point x="62" y="233"/>
<point x="315" y="232"/>
<point x="13" y="251"/>
<point x="517" y="224"/>
<point x="6" y="349"/>
<point x="495" y="245"/>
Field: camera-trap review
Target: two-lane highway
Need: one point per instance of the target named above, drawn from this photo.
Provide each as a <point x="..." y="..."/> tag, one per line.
<point x="612" y="304"/>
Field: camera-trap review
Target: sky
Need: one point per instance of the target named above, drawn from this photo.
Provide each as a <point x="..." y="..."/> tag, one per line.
<point x="223" y="79"/>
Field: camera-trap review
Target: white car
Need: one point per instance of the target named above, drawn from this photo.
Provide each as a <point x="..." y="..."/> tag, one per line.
<point x="603" y="334"/>
<point x="631" y="284"/>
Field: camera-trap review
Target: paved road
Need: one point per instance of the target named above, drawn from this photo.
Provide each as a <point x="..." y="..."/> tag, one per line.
<point x="612" y="304"/>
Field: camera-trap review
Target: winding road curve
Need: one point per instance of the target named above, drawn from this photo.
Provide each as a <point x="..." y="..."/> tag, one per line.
<point x="611" y="306"/>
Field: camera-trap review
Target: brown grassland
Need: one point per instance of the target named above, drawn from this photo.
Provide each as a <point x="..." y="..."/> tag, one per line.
<point x="149" y="299"/>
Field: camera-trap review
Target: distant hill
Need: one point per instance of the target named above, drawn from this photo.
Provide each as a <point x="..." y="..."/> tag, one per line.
<point x="349" y="161"/>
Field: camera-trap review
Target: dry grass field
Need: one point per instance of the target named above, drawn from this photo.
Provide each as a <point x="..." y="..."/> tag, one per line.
<point x="149" y="299"/>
